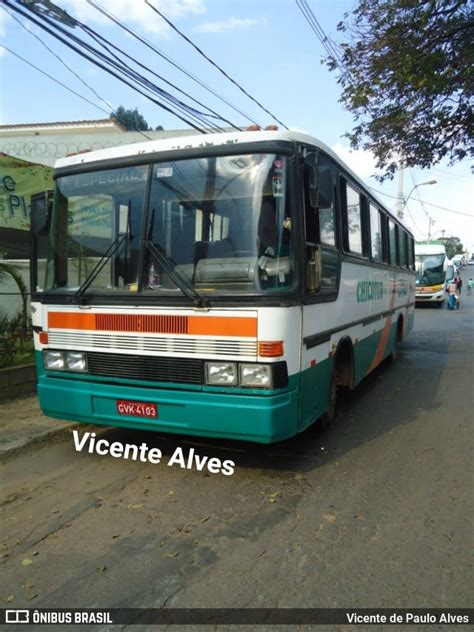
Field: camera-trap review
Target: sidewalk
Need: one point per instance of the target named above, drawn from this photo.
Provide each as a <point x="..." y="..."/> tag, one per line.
<point x="22" y="424"/>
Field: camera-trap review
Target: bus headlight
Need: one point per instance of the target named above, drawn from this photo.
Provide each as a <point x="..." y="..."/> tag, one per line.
<point x="53" y="360"/>
<point x="256" y="375"/>
<point x="76" y="361"/>
<point x="221" y="373"/>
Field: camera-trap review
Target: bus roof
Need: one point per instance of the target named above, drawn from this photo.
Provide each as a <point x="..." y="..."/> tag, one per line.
<point x="206" y="141"/>
<point x="430" y="249"/>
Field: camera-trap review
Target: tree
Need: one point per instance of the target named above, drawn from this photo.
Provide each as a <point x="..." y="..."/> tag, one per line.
<point x="9" y="270"/>
<point x="407" y="77"/>
<point x="453" y="246"/>
<point x="132" y="120"/>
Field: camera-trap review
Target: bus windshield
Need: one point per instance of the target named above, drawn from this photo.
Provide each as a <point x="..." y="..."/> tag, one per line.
<point x="430" y="269"/>
<point x="209" y="226"/>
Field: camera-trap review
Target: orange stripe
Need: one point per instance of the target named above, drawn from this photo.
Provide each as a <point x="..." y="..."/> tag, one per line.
<point x="70" y="320"/>
<point x="222" y="326"/>
<point x="244" y="327"/>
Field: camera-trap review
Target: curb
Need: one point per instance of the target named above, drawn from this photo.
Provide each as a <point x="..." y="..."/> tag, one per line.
<point x="21" y="445"/>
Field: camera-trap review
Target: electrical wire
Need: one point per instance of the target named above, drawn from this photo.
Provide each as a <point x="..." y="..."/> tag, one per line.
<point x="213" y="63"/>
<point x="53" y="79"/>
<point x="330" y="47"/>
<point x="417" y="192"/>
<point x="413" y="219"/>
<point x="68" y="43"/>
<point x="71" y="70"/>
<point x="102" y="40"/>
<point x="446" y="174"/>
<point x="123" y="68"/>
<point x="163" y="55"/>
<point x="443" y="208"/>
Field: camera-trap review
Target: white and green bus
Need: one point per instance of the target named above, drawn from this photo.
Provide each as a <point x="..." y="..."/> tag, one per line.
<point x="222" y="285"/>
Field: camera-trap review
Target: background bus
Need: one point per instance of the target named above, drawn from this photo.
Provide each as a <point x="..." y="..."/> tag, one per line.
<point x="221" y="286"/>
<point x="430" y="269"/>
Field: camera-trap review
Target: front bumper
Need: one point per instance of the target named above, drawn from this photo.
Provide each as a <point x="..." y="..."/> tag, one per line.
<point x="425" y="297"/>
<point x="260" y="418"/>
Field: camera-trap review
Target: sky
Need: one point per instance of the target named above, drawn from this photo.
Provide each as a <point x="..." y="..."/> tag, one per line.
<point x="265" y="45"/>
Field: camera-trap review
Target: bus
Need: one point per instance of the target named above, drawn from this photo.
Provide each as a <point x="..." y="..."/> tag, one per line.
<point x="431" y="266"/>
<point x="225" y="285"/>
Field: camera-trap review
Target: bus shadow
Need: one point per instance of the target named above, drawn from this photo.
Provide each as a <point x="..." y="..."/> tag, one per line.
<point x="387" y="398"/>
<point x="430" y="305"/>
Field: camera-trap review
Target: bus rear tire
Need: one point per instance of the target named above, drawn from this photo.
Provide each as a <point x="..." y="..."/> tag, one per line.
<point x="397" y="342"/>
<point x="328" y="416"/>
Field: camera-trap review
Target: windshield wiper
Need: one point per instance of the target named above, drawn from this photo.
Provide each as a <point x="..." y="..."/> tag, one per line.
<point x="179" y="279"/>
<point x="108" y="254"/>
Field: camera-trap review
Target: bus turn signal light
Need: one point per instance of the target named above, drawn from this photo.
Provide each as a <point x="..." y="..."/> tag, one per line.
<point x="43" y="337"/>
<point x="270" y="349"/>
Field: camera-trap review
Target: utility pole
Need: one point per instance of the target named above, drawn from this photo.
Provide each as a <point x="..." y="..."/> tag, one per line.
<point x="400" y="200"/>
<point x="431" y="222"/>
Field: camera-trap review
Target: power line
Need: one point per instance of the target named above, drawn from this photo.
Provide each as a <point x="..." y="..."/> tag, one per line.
<point x="443" y="208"/>
<point x="417" y="192"/>
<point x="101" y="41"/>
<point x="413" y="220"/>
<point x="68" y="42"/>
<point x="121" y="68"/>
<point x="159" y="52"/>
<point x="213" y="63"/>
<point x="330" y="47"/>
<point x="53" y="79"/>
<point x="124" y="68"/>
<point x="454" y="176"/>
<point x="57" y="57"/>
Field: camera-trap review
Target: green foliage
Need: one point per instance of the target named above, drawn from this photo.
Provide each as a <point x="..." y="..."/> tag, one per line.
<point x="15" y="346"/>
<point x="132" y="120"/>
<point x="407" y="77"/>
<point x="7" y="269"/>
<point x="453" y="246"/>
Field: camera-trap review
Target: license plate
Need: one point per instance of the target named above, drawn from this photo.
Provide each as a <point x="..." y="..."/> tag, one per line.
<point x="136" y="409"/>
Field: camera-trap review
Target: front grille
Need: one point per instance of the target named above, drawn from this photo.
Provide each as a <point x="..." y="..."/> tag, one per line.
<point x="149" y="368"/>
<point x="151" y="323"/>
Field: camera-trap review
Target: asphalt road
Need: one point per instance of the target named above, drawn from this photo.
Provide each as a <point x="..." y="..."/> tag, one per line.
<point x="375" y="512"/>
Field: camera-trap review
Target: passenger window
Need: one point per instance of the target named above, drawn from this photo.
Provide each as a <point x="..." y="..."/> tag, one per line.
<point x="402" y="248"/>
<point x="327" y="226"/>
<point x="410" y="254"/>
<point x="392" y="240"/>
<point x="376" y="233"/>
<point x="354" y="220"/>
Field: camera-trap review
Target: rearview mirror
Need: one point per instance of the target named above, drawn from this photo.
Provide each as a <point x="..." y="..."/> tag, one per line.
<point x="325" y="188"/>
<point x="41" y="208"/>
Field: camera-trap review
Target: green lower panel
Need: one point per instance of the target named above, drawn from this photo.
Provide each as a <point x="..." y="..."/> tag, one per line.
<point x="260" y="418"/>
<point x="314" y="391"/>
<point x="364" y="352"/>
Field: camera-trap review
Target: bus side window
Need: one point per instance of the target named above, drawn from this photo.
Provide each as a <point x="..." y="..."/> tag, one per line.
<point x="385" y="239"/>
<point x="402" y="248"/>
<point x="392" y="242"/>
<point x="353" y="227"/>
<point x="376" y="233"/>
<point x="411" y="253"/>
